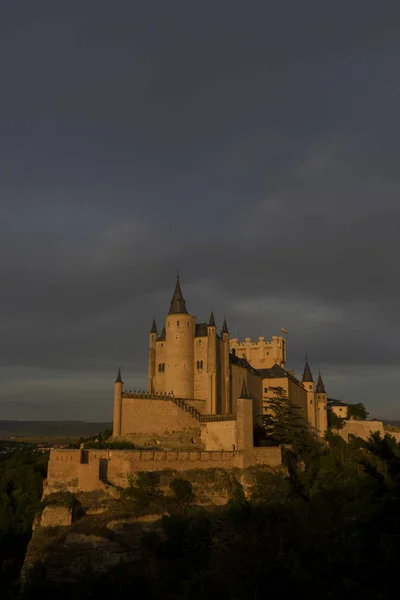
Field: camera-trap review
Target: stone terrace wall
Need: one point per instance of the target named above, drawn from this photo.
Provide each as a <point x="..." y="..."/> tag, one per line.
<point x="362" y="429"/>
<point x="219" y="435"/>
<point x="104" y="467"/>
<point x="154" y="416"/>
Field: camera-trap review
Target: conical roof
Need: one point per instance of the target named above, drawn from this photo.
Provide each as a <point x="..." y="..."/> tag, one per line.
<point x="320" y="385"/>
<point x="211" y="322"/>
<point x="307" y="375"/>
<point x="244" y="393"/>
<point x="178" y="306"/>
<point x="153" y="327"/>
<point x="224" y="327"/>
<point x="119" y="379"/>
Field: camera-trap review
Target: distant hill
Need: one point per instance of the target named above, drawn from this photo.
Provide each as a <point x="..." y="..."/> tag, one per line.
<point x="51" y="428"/>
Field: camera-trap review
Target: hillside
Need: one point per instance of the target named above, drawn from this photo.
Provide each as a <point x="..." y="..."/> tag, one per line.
<point x="73" y="429"/>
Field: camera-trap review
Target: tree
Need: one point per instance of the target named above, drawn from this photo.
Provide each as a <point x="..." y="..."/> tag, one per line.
<point x="334" y="421"/>
<point x="282" y="422"/>
<point x="357" y="412"/>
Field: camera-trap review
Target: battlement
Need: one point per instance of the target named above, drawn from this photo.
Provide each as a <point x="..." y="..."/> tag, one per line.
<point x="88" y="470"/>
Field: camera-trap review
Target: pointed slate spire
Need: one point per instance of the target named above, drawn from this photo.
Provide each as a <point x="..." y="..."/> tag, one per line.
<point x="211" y="322"/>
<point x="162" y="336"/>
<point x="224" y="327"/>
<point x="153" y="327"/>
<point x="119" y="378"/>
<point x="244" y="393"/>
<point x="307" y="375"/>
<point x="178" y="306"/>
<point x="320" y="385"/>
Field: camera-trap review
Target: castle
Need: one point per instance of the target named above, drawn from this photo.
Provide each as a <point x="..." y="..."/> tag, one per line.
<point x="207" y="370"/>
<point x="205" y="394"/>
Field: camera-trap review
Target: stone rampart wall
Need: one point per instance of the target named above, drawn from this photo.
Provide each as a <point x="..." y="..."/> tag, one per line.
<point x="362" y="429"/>
<point x="219" y="435"/>
<point x="115" y="467"/>
<point x="154" y="416"/>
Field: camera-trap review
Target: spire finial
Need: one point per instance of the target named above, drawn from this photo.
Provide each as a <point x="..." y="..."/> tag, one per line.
<point x="244" y="393"/>
<point x="211" y="322"/>
<point x="153" y="326"/>
<point x="178" y="306"/>
<point x="119" y="378"/>
<point x="307" y="375"/>
<point x="320" y="385"/>
<point x="224" y="327"/>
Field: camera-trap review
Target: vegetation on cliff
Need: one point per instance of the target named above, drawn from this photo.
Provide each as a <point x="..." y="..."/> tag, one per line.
<point x="328" y="528"/>
<point x="22" y="471"/>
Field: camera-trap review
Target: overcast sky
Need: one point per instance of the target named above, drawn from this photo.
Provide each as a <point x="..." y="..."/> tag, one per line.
<point x="252" y="145"/>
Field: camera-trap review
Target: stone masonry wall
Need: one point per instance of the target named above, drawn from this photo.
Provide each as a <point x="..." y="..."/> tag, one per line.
<point x="144" y="416"/>
<point x="219" y="435"/>
<point x="105" y="467"/>
<point x="361" y="429"/>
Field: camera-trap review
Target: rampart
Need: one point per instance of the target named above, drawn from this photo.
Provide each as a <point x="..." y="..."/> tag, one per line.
<point x="362" y="429"/>
<point x="89" y="470"/>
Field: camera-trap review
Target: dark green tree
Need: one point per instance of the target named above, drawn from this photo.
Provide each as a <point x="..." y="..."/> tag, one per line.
<point x="357" y="412"/>
<point x="282" y="422"/>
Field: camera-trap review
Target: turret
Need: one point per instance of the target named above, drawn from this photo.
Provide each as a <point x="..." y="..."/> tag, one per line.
<point x="212" y="366"/>
<point x="308" y="384"/>
<point x="179" y="355"/>
<point x="152" y="357"/>
<point x="322" y="401"/>
<point x="244" y="420"/>
<point x="225" y="379"/>
<point x="117" y="404"/>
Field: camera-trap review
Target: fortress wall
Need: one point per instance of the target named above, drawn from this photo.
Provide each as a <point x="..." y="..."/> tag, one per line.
<point x="395" y="434"/>
<point x="270" y="455"/>
<point x="63" y="470"/>
<point x="117" y="466"/>
<point x="219" y="435"/>
<point x="148" y="416"/>
<point x="361" y="429"/>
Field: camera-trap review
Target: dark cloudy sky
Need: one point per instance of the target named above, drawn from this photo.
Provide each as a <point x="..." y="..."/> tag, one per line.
<point x="252" y="145"/>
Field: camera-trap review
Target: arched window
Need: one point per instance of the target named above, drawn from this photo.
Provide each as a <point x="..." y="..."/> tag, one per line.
<point x="163" y="367"/>
<point x="201" y="364"/>
<point x="177" y="323"/>
<point x="188" y="323"/>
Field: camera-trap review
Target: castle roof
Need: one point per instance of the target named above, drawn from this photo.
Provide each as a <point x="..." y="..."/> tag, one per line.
<point x="307" y="375"/>
<point x="178" y="306"/>
<point x="119" y="378"/>
<point x="201" y="330"/>
<point x="161" y="338"/>
<point x="277" y="372"/>
<point x="242" y="362"/>
<point x="211" y="322"/>
<point x="224" y="327"/>
<point x="153" y="327"/>
<point x="244" y="393"/>
<point x="320" y="386"/>
<point x="333" y="402"/>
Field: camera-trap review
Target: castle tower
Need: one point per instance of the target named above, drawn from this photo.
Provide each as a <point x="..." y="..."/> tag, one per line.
<point x="152" y="358"/>
<point x="117" y="404"/>
<point x="225" y="391"/>
<point x="180" y="331"/>
<point x="244" y="420"/>
<point x="211" y="406"/>
<point x="308" y="383"/>
<point x="321" y="412"/>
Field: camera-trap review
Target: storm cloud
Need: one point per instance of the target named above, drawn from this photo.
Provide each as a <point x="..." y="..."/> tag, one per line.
<point x="253" y="146"/>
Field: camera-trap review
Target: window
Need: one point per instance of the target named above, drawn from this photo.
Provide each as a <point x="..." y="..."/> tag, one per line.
<point x="310" y="401"/>
<point x="161" y="367"/>
<point x="188" y="323"/>
<point x="177" y="324"/>
<point x="265" y="390"/>
<point x="199" y="364"/>
<point x="340" y="410"/>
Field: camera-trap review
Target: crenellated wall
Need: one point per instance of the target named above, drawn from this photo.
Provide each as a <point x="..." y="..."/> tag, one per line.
<point x="89" y="470"/>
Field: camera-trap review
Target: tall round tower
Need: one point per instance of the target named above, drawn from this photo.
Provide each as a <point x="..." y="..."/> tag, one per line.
<point x="152" y="358"/>
<point x="180" y="331"/>
<point x="226" y="405"/>
<point x="322" y="402"/>
<point x="212" y="401"/>
<point x="308" y="383"/>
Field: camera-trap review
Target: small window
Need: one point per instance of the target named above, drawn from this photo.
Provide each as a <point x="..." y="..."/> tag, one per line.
<point x="340" y="410"/>
<point x="310" y="386"/>
<point x="163" y="367"/>
<point x="265" y="390"/>
<point x="188" y="323"/>
<point x="310" y="401"/>
<point x="177" y="323"/>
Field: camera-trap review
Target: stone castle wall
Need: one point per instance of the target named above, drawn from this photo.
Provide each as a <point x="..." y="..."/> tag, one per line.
<point x="89" y="470"/>
<point x="362" y="429"/>
<point x="154" y="416"/>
